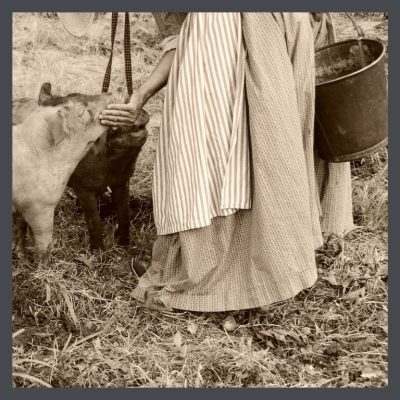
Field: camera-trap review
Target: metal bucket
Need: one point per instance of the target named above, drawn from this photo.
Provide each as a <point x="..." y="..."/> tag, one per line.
<point x="351" y="100"/>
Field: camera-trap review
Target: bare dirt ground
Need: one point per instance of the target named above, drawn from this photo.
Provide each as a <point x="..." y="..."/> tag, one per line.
<point x="76" y="324"/>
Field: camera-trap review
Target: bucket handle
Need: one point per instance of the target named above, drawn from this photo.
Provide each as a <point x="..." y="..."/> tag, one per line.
<point x="361" y="35"/>
<point x="360" y="32"/>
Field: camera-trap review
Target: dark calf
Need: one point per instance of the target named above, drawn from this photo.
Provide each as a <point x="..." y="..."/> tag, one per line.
<point x="110" y="163"/>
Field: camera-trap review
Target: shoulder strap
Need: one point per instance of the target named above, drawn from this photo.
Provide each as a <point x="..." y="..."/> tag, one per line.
<point x="127" y="54"/>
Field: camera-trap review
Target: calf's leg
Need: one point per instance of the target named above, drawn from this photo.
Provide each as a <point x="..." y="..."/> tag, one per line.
<point x="19" y="235"/>
<point x="41" y="220"/>
<point x="88" y="202"/>
<point x="120" y="199"/>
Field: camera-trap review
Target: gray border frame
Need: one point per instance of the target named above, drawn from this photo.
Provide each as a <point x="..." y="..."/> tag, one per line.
<point x="6" y="8"/>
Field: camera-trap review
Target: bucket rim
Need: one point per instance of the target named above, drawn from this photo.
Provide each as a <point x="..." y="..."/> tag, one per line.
<point x="378" y="59"/>
<point x="339" y="158"/>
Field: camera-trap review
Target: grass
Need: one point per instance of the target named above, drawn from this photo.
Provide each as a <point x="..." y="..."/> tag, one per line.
<point x="76" y="324"/>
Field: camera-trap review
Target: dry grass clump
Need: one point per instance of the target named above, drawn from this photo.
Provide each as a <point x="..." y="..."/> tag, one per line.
<point x="82" y="328"/>
<point x="370" y="191"/>
<point x="75" y="324"/>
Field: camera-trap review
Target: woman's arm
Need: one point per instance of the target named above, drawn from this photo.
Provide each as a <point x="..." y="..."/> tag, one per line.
<point x="126" y="114"/>
<point x="157" y="80"/>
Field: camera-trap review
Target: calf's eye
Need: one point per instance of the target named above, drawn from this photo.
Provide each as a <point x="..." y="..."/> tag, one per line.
<point x="85" y="115"/>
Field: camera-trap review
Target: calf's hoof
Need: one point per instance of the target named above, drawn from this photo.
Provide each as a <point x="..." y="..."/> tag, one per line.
<point x="97" y="246"/>
<point x="123" y="241"/>
<point x="43" y="259"/>
<point x="19" y="252"/>
<point x="122" y="237"/>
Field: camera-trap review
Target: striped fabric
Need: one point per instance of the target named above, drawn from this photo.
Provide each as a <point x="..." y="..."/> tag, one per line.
<point x="265" y="254"/>
<point x="202" y="165"/>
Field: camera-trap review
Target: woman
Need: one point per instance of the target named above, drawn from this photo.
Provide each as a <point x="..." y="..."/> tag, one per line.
<point x="240" y="197"/>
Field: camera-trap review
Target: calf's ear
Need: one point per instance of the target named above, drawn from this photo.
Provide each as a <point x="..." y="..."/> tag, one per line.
<point x="45" y="93"/>
<point x="57" y="127"/>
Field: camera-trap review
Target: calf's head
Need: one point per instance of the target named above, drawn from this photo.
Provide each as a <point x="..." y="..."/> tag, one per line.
<point x="75" y="114"/>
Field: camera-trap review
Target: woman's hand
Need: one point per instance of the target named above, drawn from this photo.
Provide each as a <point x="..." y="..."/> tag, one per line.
<point x="126" y="114"/>
<point x="123" y="114"/>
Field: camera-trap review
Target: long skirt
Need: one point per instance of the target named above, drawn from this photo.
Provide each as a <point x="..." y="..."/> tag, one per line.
<point x="256" y="257"/>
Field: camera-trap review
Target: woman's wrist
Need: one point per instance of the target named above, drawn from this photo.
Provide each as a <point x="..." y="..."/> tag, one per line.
<point x="138" y="99"/>
<point x="155" y="82"/>
<point x="143" y="94"/>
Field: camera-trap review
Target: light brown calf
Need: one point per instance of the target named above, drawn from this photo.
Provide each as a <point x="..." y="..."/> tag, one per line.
<point x="47" y="147"/>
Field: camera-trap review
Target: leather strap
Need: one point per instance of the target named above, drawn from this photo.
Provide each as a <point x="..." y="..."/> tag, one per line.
<point x="127" y="54"/>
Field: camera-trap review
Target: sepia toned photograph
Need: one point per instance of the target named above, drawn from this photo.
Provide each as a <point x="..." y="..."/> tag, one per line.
<point x="200" y="199"/>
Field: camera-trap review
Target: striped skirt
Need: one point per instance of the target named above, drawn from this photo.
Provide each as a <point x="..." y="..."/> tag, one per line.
<point x="202" y="167"/>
